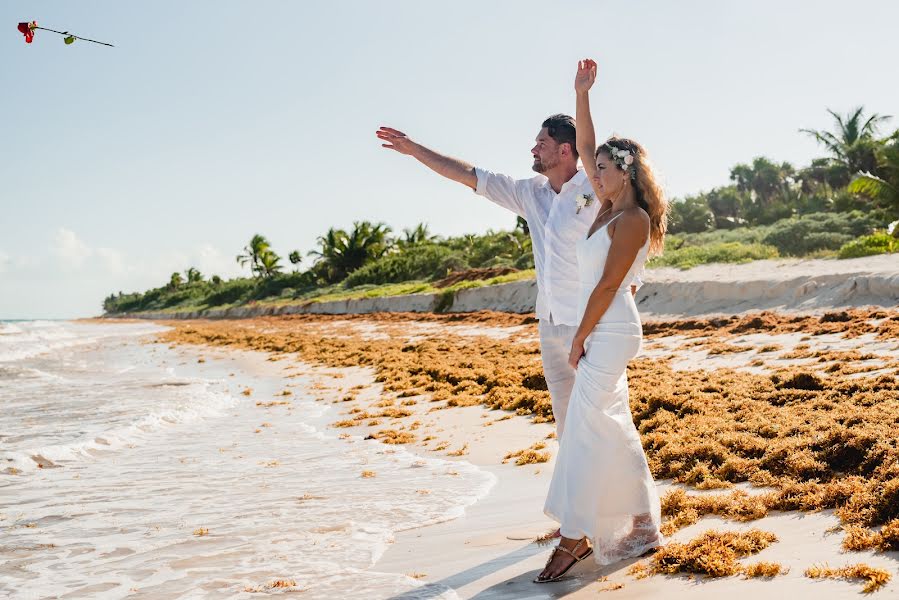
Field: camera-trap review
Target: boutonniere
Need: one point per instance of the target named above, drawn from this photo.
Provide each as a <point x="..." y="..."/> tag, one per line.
<point x="582" y="201"/>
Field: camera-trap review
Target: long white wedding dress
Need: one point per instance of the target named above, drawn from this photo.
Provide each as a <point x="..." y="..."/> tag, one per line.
<point x="601" y="487"/>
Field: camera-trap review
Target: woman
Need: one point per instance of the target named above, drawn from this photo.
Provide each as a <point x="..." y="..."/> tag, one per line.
<point x="602" y="492"/>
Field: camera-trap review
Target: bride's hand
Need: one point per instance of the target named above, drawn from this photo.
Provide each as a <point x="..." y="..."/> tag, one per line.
<point x="586" y="75"/>
<point x="577" y="351"/>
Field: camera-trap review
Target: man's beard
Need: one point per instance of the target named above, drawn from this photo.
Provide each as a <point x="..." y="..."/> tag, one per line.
<point x="542" y="167"/>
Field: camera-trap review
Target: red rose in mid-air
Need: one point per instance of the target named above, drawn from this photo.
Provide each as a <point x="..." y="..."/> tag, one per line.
<point x="27" y="30"/>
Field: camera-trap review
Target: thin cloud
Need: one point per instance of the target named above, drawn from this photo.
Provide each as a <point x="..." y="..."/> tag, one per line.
<point x="71" y="251"/>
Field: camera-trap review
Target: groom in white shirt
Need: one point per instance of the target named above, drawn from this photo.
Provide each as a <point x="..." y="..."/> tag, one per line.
<point x="559" y="206"/>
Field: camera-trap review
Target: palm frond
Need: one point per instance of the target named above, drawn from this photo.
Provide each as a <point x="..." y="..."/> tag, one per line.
<point x="873" y="187"/>
<point x="869" y="129"/>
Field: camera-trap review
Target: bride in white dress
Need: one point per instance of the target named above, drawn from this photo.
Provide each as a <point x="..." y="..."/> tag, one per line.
<point x="602" y="493"/>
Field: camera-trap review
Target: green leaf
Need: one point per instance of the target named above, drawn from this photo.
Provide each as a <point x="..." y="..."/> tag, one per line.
<point x="869" y="185"/>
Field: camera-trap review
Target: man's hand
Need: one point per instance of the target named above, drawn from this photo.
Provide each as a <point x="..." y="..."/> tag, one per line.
<point x="586" y="75"/>
<point x="451" y="168"/>
<point x="395" y="140"/>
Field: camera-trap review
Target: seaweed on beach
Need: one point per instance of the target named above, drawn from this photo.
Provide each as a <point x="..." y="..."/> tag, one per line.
<point x="713" y="554"/>
<point x="529" y="456"/>
<point x="820" y="436"/>
<point x="763" y="569"/>
<point x="277" y="584"/>
<point x="391" y="436"/>
<point x="851" y="322"/>
<point x="873" y="578"/>
<point x="859" y="537"/>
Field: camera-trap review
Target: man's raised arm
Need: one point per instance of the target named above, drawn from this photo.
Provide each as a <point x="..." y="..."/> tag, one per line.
<point x="449" y="167"/>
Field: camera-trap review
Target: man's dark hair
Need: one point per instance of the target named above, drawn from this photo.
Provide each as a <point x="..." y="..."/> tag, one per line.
<point x="561" y="128"/>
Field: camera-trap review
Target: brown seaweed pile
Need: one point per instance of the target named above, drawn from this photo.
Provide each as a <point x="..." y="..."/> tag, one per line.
<point x="873" y="578"/>
<point x="820" y="436"/>
<point x="713" y="554"/>
<point x="851" y="322"/>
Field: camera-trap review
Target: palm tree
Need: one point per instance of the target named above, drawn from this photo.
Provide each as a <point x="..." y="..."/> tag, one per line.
<point x="852" y="142"/>
<point x="253" y="253"/>
<point x="294" y="257"/>
<point x="330" y="244"/>
<point x="268" y="264"/>
<point x="726" y="204"/>
<point x="342" y="253"/>
<point x="763" y="180"/>
<point x="883" y="190"/>
<point x="175" y="281"/>
<point x="417" y="235"/>
<point x="193" y="275"/>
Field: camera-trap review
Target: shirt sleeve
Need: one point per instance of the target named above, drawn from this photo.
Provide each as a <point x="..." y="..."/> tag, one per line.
<point x="502" y="190"/>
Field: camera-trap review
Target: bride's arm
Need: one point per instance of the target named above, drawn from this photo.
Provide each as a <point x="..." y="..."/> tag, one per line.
<point x="630" y="235"/>
<point x="585" y="133"/>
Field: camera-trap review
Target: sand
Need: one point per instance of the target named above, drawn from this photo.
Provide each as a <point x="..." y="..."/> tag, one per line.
<point x="490" y="552"/>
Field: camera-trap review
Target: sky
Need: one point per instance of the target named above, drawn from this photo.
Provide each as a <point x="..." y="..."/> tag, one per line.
<point x="211" y="121"/>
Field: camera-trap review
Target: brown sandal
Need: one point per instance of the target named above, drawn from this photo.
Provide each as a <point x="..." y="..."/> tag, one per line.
<point x="572" y="553"/>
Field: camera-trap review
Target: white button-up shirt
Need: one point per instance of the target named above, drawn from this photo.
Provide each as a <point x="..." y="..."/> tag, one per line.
<point x="556" y="226"/>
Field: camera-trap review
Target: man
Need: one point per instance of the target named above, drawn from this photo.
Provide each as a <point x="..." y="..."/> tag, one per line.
<point x="559" y="206"/>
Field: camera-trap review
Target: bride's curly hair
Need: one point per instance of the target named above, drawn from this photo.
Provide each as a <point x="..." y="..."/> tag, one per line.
<point x="650" y="195"/>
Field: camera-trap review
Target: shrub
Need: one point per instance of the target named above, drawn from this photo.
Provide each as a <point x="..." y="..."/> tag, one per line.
<point x="869" y="245"/>
<point x="415" y="262"/>
<point x="231" y="291"/>
<point x="799" y="236"/>
<point x="743" y="235"/>
<point x="720" y="252"/>
<point x="690" y="215"/>
<point x="276" y="284"/>
<point x="494" y="248"/>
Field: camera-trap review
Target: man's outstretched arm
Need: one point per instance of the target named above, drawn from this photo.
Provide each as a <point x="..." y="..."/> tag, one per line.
<point x="451" y="168"/>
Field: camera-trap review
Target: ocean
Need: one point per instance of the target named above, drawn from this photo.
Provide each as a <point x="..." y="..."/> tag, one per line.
<point x="129" y="468"/>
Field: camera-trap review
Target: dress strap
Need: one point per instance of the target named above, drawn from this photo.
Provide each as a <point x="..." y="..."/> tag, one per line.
<point x="609" y="222"/>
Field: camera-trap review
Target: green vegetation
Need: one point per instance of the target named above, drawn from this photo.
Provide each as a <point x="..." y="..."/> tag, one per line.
<point x="362" y="263"/>
<point x="861" y="173"/>
<point x="815" y="234"/>
<point x="844" y="205"/>
<point x="868" y="245"/>
<point x="727" y="252"/>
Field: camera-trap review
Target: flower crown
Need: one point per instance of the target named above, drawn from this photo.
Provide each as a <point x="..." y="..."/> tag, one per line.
<point x="622" y="157"/>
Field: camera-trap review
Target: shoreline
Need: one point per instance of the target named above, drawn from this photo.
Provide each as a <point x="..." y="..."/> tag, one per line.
<point x="488" y="552"/>
<point x="455" y="427"/>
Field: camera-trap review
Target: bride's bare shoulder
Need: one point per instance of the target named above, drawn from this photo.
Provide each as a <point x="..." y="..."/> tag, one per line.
<point x="634" y="217"/>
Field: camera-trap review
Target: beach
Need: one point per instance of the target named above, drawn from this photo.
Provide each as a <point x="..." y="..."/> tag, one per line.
<point x="449" y="414"/>
<point x="490" y="552"/>
<point x="235" y="364"/>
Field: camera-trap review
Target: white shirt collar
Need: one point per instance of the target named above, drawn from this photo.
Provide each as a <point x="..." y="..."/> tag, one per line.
<point x="578" y="179"/>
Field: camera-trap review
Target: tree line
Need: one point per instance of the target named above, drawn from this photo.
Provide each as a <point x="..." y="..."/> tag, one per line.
<point x="861" y="172"/>
<point x="842" y="204"/>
